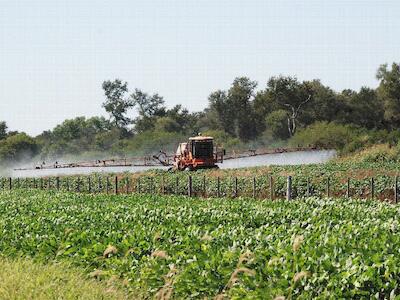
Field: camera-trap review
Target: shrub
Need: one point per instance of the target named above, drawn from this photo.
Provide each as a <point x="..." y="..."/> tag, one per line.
<point x="325" y="135"/>
<point x="375" y="154"/>
<point x="17" y="147"/>
<point x="277" y="124"/>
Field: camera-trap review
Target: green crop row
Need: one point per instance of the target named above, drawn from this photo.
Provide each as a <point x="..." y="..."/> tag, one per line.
<point x="180" y="247"/>
<point x="223" y="184"/>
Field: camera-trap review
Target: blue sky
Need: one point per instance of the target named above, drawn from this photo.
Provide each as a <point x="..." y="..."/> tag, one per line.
<point x="54" y="55"/>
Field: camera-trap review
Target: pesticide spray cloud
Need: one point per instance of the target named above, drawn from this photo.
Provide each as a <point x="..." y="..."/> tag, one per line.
<point x="290" y="158"/>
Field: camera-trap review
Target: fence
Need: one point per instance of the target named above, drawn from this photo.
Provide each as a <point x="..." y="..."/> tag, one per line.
<point x="262" y="187"/>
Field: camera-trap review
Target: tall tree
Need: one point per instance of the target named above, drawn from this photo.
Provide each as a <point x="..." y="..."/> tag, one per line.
<point x="264" y="104"/>
<point x="234" y="108"/>
<point x="389" y="92"/>
<point x="240" y="96"/>
<point x="221" y="107"/>
<point x="185" y="120"/>
<point x="292" y="96"/>
<point x="3" y="130"/>
<point x="149" y="107"/>
<point x="364" y="108"/>
<point x="116" y="104"/>
<point x="325" y="106"/>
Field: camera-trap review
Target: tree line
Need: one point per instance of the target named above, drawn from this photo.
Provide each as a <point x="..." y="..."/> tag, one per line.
<point x="286" y="111"/>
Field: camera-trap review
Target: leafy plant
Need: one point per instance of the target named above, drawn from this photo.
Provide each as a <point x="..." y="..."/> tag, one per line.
<point x="181" y="247"/>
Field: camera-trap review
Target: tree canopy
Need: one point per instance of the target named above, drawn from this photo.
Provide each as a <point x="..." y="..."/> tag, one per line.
<point x="284" y="110"/>
<point x="116" y="103"/>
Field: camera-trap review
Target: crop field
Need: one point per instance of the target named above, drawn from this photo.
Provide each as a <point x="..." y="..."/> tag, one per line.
<point x="176" y="247"/>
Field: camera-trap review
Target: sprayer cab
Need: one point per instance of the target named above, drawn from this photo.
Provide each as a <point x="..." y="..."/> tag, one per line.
<point x="198" y="153"/>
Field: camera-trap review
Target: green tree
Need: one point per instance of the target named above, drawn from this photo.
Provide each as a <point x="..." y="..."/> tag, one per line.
<point x="207" y="120"/>
<point x="389" y="92"/>
<point x="240" y="97"/>
<point x="17" y="147"/>
<point x="105" y="140"/>
<point x="234" y="109"/>
<point x="76" y="136"/>
<point x="221" y="108"/>
<point x="116" y="104"/>
<point x="364" y="108"/>
<point x="292" y="96"/>
<point x="265" y="104"/>
<point x="325" y="104"/>
<point x="3" y="130"/>
<point x="149" y="108"/>
<point x="186" y="121"/>
<point x="167" y="124"/>
<point x="277" y="124"/>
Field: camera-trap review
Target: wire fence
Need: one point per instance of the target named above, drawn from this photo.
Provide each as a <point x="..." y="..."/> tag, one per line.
<point x="262" y="187"/>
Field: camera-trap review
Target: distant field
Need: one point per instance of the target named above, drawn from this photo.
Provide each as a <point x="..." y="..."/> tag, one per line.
<point x="180" y="247"/>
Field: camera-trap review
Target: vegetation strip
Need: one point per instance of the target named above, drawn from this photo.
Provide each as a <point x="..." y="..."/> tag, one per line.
<point x="184" y="247"/>
<point x="27" y="279"/>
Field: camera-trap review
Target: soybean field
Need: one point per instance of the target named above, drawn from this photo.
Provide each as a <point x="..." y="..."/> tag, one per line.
<point x="176" y="247"/>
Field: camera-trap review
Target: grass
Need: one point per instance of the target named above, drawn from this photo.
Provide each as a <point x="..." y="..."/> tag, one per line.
<point x="26" y="279"/>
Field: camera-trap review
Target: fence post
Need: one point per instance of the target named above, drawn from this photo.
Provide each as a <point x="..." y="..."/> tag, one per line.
<point x="67" y="184"/>
<point x="138" y="185"/>
<point x="116" y="185"/>
<point x="348" y="188"/>
<point x="89" y="185"/>
<point x="107" y="185"/>
<point x="58" y="183"/>
<point x="254" y="187"/>
<point x="328" y="187"/>
<point x="308" y="188"/>
<point x="395" y="189"/>
<point x="289" y="188"/>
<point x="236" y="187"/>
<point x="372" y="188"/>
<point x="218" y="187"/>
<point x="204" y="186"/>
<point x="190" y="191"/>
<point x="127" y="185"/>
<point x="162" y="185"/>
<point x="271" y="187"/>
<point x="34" y="183"/>
<point x="78" y="185"/>
<point x="10" y="183"/>
<point x="99" y="187"/>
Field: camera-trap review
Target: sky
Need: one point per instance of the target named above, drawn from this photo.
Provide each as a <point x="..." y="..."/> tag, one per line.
<point x="54" y="55"/>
